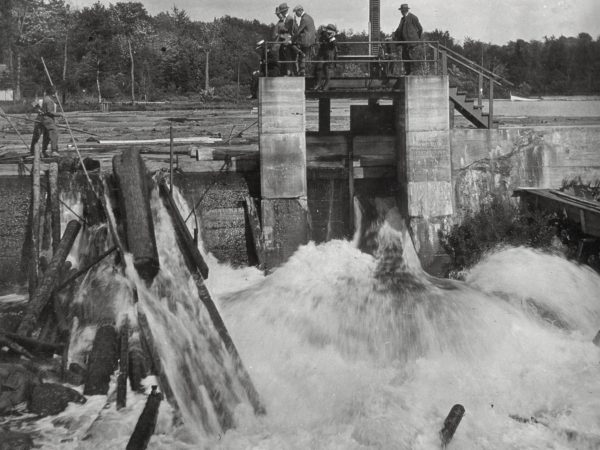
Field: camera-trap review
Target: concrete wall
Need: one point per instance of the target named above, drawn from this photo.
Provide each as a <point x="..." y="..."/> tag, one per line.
<point x="497" y="161"/>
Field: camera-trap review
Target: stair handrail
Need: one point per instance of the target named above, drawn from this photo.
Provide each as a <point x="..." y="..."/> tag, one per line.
<point x="472" y="65"/>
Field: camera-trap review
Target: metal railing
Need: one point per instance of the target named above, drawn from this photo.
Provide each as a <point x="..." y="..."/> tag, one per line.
<point x="383" y="59"/>
<point x="374" y="53"/>
<point x="444" y="54"/>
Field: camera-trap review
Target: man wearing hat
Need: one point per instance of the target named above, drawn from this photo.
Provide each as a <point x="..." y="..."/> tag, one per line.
<point x="286" y="52"/>
<point x="303" y="36"/>
<point x="327" y="52"/>
<point x="409" y="30"/>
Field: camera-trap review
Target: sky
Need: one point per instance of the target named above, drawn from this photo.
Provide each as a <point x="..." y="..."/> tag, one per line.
<point x="492" y="21"/>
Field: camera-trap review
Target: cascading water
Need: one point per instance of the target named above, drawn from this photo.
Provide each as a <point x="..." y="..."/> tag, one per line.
<point x="351" y="350"/>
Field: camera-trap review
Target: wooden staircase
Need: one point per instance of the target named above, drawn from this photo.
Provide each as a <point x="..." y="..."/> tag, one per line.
<point x="472" y="111"/>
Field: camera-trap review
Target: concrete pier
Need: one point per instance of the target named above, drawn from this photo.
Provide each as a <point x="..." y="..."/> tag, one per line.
<point x="282" y="147"/>
<point x="424" y="160"/>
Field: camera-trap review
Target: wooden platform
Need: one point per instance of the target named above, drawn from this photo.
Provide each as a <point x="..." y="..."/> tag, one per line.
<point x="583" y="212"/>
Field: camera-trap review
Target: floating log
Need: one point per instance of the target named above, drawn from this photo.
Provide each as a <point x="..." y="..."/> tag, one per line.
<point x="257" y="236"/>
<point x="186" y="241"/>
<point x="49" y="280"/>
<point x="123" y="364"/>
<point x="451" y="424"/>
<point x="134" y="201"/>
<point x="144" y="429"/>
<point x="102" y="361"/>
<point x="596" y="339"/>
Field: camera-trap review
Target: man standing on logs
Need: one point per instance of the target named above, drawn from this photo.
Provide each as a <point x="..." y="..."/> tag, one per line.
<point x="410" y="30"/>
<point x="46" y="124"/>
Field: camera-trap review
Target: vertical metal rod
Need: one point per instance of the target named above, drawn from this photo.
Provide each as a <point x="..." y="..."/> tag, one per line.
<point x="480" y="90"/>
<point x="171" y="158"/>
<point x="491" y="103"/>
<point x="266" y="60"/>
<point x="351" y="184"/>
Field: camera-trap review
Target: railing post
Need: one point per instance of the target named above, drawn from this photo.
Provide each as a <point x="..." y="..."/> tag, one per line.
<point x="480" y="90"/>
<point x="444" y="63"/>
<point x="436" y="59"/>
<point x="491" y="103"/>
<point x="266" y="60"/>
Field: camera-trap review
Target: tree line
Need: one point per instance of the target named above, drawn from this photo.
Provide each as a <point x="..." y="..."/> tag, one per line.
<point x="121" y="52"/>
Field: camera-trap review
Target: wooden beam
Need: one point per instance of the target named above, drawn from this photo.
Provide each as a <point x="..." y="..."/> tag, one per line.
<point x="123" y="364"/>
<point x="255" y="228"/>
<point x="186" y="241"/>
<point x="324" y="115"/>
<point x="144" y="428"/>
<point x="49" y="280"/>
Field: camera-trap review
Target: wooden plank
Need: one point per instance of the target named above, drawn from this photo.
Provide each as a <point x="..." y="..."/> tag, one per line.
<point x="255" y="228"/>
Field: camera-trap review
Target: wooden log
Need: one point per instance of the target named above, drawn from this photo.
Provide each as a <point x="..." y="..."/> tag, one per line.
<point x="123" y="364"/>
<point x="134" y="203"/>
<point x="43" y="292"/>
<point x="144" y="428"/>
<point x="35" y="223"/>
<point x="5" y="341"/>
<point x="138" y="366"/>
<point x="102" y="361"/>
<point x="186" y="241"/>
<point x="72" y="277"/>
<point x="256" y="231"/>
<point x="596" y="339"/>
<point x="34" y="345"/>
<point x="451" y="424"/>
<point x="54" y="203"/>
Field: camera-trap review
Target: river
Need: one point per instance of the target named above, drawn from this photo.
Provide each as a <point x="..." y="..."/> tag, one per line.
<point x="350" y="350"/>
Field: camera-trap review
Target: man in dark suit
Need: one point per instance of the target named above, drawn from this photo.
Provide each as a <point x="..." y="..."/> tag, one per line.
<point x="409" y="30"/>
<point x="287" y="52"/>
<point x="303" y="36"/>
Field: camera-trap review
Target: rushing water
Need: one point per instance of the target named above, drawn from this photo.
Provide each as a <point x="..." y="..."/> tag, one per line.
<point x="351" y="350"/>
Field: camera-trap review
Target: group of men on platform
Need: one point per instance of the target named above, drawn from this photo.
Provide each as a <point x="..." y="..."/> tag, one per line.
<point x="294" y="37"/>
